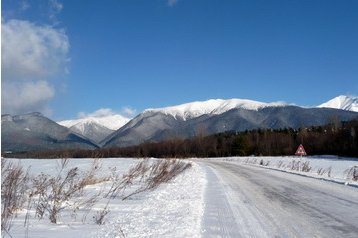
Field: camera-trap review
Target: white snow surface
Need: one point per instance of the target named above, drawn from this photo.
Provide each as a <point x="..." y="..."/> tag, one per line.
<point x="113" y="122"/>
<point x="212" y="106"/>
<point x="174" y="209"/>
<point x="349" y="103"/>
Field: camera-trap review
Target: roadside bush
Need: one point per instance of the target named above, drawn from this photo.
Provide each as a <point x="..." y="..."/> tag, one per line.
<point x="14" y="183"/>
<point x="353" y="173"/>
<point x="161" y="171"/>
<point x="327" y="171"/>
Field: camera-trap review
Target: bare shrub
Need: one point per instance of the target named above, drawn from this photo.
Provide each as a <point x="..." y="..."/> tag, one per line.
<point x="90" y="177"/>
<point x="251" y="161"/>
<point x="100" y="215"/>
<point x="161" y="171"/>
<point x="63" y="163"/>
<point x="61" y="190"/>
<point x="53" y="193"/>
<point x="298" y="166"/>
<point x="329" y="170"/>
<point x="305" y="167"/>
<point x="41" y="185"/>
<point x="279" y="164"/>
<point x="263" y="163"/>
<point x="13" y="186"/>
<point x="293" y="165"/>
<point x="353" y="173"/>
<point x="85" y="205"/>
<point x="121" y="182"/>
<point x="322" y="171"/>
<point x="164" y="171"/>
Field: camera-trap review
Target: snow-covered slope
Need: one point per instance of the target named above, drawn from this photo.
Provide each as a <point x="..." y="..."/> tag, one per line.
<point x="213" y="106"/>
<point x="349" y="103"/>
<point x="96" y="128"/>
<point x="113" y="122"/>
<point x="92" y="130"/>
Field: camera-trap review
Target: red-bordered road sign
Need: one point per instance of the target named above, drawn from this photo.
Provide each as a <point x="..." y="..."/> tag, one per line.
<point x="300" y="150"/>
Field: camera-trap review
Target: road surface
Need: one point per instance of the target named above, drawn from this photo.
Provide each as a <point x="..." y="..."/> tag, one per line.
<point x="248" y="201"/>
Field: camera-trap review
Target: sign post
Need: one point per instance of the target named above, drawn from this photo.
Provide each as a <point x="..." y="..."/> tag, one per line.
<point x="300" y="151"/>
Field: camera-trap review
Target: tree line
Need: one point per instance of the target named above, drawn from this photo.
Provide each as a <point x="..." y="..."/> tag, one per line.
<point x="336" y="138"/>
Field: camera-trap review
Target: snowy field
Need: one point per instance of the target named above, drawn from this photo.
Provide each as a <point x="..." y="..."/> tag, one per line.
<point x="173" y="209"/>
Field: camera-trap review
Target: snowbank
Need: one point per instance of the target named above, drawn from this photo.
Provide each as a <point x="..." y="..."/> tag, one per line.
<point x="331" y="168"/>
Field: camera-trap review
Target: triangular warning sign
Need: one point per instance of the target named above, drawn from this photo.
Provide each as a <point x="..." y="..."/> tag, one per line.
<point x="300" y="150"/>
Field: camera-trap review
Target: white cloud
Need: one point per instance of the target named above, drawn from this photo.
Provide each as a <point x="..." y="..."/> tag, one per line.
<point x="56" y="5"/>
<point x="24" y="5"/>
<point x="30" y="51"/>
<point x="129" y="112"/>
<point x="31" y="55"/>
<point x="55" y="8"/>
<point x="171" y="3"/>
<point x="26" y="96"/>
<point x="104" y="112"/>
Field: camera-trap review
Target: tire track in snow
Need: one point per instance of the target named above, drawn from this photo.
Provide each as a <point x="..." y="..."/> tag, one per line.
<point x="218" y="219"/>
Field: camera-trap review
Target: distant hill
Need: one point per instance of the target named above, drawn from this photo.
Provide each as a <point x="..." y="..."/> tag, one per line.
<point x="31" y="132"/>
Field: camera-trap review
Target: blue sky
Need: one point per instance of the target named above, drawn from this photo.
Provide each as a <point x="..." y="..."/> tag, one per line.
<point x="137" y="54"/>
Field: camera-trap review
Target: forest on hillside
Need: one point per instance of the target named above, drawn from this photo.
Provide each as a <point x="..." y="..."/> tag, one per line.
<point x="336" y="138"/>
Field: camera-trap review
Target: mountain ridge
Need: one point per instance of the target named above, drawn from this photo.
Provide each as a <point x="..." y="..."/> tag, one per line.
<point x="33" y="131"/>
<point x="212" y="106"/>
<point x="154" y="126"/>
<point x="184" y="120"/>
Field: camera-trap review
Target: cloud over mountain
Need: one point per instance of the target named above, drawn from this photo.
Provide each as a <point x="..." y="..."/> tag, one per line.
<point x="32" y="55"/>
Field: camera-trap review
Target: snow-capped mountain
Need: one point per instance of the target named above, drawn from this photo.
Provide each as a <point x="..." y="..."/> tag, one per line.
<point x="349" y="103"/>
<point x="213" y="106"/>
<point x="215" y="116"/>
<point x="92" y="130"/>
<point x="112" y="122"/>
<point x="96" y="128"/>
<point x="34" y="131"/>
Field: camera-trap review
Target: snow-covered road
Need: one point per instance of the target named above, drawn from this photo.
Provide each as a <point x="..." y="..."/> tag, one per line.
<point x="248" y="201"/>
